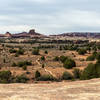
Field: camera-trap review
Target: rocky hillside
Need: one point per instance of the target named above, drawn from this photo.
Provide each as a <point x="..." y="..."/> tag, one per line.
<point x="80" y="90"/>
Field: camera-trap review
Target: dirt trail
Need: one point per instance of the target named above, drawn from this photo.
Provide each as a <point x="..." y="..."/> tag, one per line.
<point x="49" y="72"/>
<point x="80" y="90"/>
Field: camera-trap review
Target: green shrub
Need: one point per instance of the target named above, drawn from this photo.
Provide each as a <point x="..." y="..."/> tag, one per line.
<point x="89" y="72"/>
<point x="14" y="64"/>
<point x="97" y="65"/>
<point x="91" y="58"/>
<point x="43" y="65"/>
<point x="94" y="53"/>
<point x="63" y="58"/>
<point x="67" y="76"/>
<point x="98" y="56"/>
<point x="46" y="52"/>
<point x="21" y="79"/>
<point x="69" y="63"/>
<point x="20" y="64"/>
<point x="46" y="78"/>
<point x="25" y="67"/>
<point x="43" y="58"/>
<point x="76" y="73"/>
<point x="82" y="51"/>
<point x="35" y="52"/>
<point x="23" y="63"/>
<point x="5" y="77"/>
<point x="56" y="58"/>
<point x="20" y="52"/>
<point x="60" y="48"/>
<point x="37" y="74"/>
<point x="27" y="63"/>
<point x="4" y="60"/>
<point x="16" y="55"/>
<point x="12" y="51"/>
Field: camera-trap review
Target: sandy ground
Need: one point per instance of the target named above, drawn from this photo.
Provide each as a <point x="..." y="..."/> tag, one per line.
<point x="80" y="90"/>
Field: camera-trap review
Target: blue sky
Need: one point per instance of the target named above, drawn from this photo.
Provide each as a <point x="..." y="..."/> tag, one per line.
<point x="50" y="16"/>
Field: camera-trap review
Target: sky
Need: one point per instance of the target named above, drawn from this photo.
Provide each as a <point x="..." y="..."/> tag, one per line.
<point x="50" y="16"/>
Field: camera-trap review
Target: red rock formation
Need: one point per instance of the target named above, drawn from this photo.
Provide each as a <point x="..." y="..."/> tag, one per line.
<point x="31" y="34"/>
<point x="8" y="35"/>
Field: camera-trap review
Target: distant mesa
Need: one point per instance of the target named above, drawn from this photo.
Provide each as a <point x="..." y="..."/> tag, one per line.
<point x="79" y="34"/>
<point x="29" y="34"/>
<point x="33" y="34"/>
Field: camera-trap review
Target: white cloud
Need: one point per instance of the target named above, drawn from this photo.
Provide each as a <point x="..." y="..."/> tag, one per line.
<point x="15" y="28"/>
<point x="50" y="24"/>
<point x="42" y="1"/>
<point x="49" y="16"/>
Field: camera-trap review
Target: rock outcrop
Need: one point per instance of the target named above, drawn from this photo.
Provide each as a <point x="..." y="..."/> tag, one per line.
<point x="7" y="34"/>
<point x="31" y="33"/>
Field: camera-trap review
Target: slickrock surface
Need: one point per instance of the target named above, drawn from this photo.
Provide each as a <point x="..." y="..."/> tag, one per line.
<point x="79" y="90"/>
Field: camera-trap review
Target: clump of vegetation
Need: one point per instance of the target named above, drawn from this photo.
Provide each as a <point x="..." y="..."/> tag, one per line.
<point x="5" y="77"/>
<point x="98" y="56"/>
<point x="14" y="64"/>
<point x="37" y="74"/>
<point x="94" y="56"/>
<point x="67" y="76"/>
<point x="4" y="60"/>
<point x="63" y="58"/>
<point x="60" y="48"/>
<point x="82" y="51"/>
<point x="35" y="52"/>
<point x="69" y="63"/>
<point x="91" y="58"/>
<point x="12" y="51"/>
<point x="24" y="67"/>
<point x="19" y="52"/>
<point x="46" y="78"/>
<point x="46" y="52"/>
<point x="43" y="65"/>
<point x="56" y="58"/>
<point x="43" y="58"/>
<point x="16" y="55"/>
<point x="24" y="63"/>
<point x="21" y="79"/>
<point x="77" y="73"/>
<point x="89" y="72"/>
